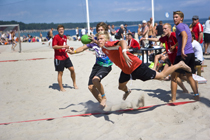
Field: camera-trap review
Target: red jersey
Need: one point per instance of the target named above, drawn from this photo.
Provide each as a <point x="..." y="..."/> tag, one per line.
<point x="116" y="56"/>
<point x="170" y="41"/>
<point x="197" y="29"/>
<point x="133" y="44"/>
<point x="60" y="54"/>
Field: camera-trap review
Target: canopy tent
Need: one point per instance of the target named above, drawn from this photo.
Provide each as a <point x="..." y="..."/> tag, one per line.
<point x="12" y="27"/>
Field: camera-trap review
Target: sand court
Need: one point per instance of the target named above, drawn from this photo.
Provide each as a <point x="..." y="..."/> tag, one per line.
<point x="29" y="91"/>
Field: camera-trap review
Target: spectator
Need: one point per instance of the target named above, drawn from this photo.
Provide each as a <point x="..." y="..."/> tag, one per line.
<point x="197" y="29"/>
<point x="145" y="31"/>
<point x="91" y="31"/>
<point x="83" y="31"/>
<point x="159" y="29"/>
<point x="154" y="30"/>
<point x="50" y="36"/>
<point x="77" y="32"/>
<point x="207" y="36"/>
<point x="133" y="45"/>
<point x="119" y="34"/>
<point x="125" y="28"/>
<point x="113" y="32"/>
<point x="14" y="44"/>
<point x="150" y="27"/>
<point x="139" y="32"/>
<point x="109" y="29"/>
<point x="197" y="50"/>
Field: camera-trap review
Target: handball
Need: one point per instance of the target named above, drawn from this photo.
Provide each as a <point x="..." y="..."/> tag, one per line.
<point x="85" y="39"/>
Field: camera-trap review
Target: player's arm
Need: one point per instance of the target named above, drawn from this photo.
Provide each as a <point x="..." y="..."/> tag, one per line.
<point x="78" y="50"/>
<point x="60" y="47"/>
<point x="150" y="39"/>
<point x="200" y="36"/>
<point x="123" y="44"/>
<point x="173" y="47"/>
<point x="184" y="42"/>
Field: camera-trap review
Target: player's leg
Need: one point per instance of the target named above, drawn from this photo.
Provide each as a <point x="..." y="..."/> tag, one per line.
<point x="180" y="83"/>
<point x="73" y="76"/>
<point x="101" y="73"/>
<point x="190" y="60"/>
<point x="95" y="92"/>
<point x="123" y="80"/>
<point x="157" y="57"/>
<point x="171" y="69"/>
<point x="174" y="76"/>
<point x="91" y="87"/>
<point x="193" y="86"/>
<point x="59" y="67"/>
<point x="69" y="65"/>
<point x="60" y="74"/>
<point x="96" y="82"/>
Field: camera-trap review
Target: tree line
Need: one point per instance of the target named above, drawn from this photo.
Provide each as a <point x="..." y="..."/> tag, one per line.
<point x="44" y="26"/>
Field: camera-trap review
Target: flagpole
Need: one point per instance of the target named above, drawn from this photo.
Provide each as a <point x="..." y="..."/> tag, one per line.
<point x="153" y="15"/>
<point x="88" y="21"/>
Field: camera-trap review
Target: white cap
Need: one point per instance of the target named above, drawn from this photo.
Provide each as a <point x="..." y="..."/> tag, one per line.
<point x="121" y="25"/>
<point x="144" y="21"/>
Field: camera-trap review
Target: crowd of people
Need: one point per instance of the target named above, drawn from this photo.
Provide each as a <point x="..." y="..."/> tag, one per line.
<point x="182" y="52"/>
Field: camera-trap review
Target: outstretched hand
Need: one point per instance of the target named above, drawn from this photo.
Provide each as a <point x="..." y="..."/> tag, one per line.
<point x="127" y="59"/>
<point x="70" y="51"/>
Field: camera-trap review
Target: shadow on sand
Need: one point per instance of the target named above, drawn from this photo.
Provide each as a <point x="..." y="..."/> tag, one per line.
<point x="55" y="86"/>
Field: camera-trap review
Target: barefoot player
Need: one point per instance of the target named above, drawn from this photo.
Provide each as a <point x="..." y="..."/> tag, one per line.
<point x="100" y="69"/>
<point x="185" y="53"/>
<point x="62" y="60"/>
<point x="130" y="64"/>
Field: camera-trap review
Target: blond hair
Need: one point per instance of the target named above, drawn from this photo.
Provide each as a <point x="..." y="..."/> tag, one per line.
<point x="169" y="25"/>
<point x="106" y="34"/>
<point x="180" y="13"/>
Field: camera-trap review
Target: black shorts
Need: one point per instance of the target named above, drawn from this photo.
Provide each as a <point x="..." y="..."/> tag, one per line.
<point x="143" y="73"/>
<point x="99" y="71"/>
<point x="206" y="38"/>
<point x="189" y="60"/>
<point x="167" y="61"/>
<point x="60" y="64"/>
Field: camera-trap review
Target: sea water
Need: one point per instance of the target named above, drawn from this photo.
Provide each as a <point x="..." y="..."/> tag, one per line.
<point x="133" y="28"/>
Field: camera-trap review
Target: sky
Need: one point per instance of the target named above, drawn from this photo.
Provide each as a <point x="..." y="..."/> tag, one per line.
<point x="65" y="11"/>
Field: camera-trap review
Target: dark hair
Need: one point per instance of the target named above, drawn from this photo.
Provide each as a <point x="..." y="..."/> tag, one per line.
<point x="130" y="34"/>
<point x="149" y="22"/>
<point x="160" y="22"/>
<point x="60" y="26"/>
<point x="104" y="25"/>
<point x="125" y="24"/>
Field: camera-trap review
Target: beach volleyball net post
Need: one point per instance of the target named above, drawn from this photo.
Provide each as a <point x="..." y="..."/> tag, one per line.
<point x="12" y="27"/>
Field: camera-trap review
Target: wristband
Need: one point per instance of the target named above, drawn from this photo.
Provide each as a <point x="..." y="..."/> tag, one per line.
<point x="75" y="51"/>
<point x="124" y="50"/>
<point x="146" y="38"/>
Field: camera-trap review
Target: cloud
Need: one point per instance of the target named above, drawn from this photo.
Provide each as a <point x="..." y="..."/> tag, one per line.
<point x="192" y="2"/>
<point x="21" y="14"/>
<point x="129" y="9"/>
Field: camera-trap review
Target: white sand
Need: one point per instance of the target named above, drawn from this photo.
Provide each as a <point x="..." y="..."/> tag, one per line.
<point x="29" y="90"/>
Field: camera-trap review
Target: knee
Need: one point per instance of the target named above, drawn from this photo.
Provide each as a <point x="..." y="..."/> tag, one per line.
<point x="95" y="80"/>
<point x="71" y="69"/>
<point x="90" y="87"/>
<point x="60" y="73"/>
<point x="120" y="87"/>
